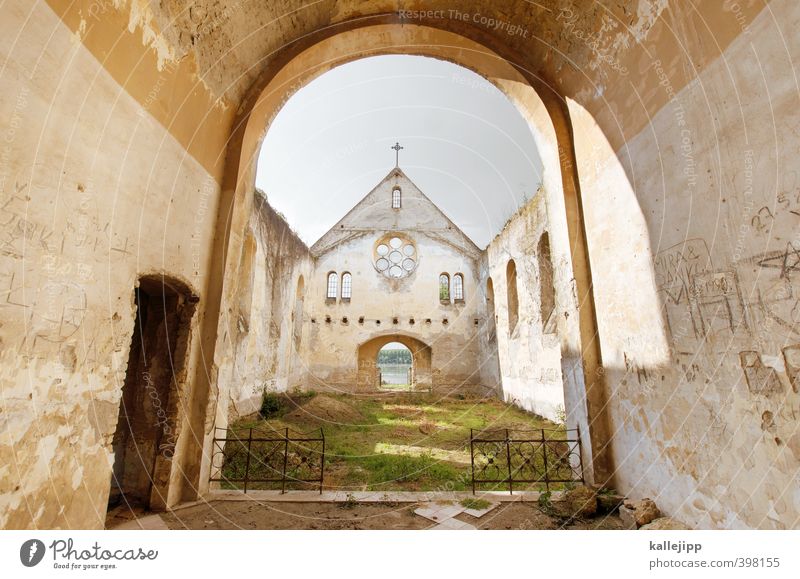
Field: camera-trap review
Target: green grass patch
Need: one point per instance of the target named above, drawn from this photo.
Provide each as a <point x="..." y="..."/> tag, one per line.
<point x="390" y="446"/>
<point x="276" y="404"/>
<point x="477" y="504"/>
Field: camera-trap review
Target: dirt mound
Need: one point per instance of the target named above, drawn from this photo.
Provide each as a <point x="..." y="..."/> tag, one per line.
<point x="427" y="427"/>
<point x="326" y="410"/>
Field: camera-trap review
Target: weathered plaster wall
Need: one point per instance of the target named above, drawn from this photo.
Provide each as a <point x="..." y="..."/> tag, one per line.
<point x="702" y="393"/>
<point x="95" y="193"/>
<point x="693" y="237"/>
<point x="530" y="354"/>
<point x="598" y="52"/>
<point x="487" y="331"/>
<point x="266" y="355"/>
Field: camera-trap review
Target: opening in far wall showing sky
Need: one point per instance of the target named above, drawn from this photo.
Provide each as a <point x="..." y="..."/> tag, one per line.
<point x="465" y="145"/>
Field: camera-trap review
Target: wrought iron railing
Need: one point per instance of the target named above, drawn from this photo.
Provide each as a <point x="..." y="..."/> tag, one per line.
<point x="525" y="457"/>
<point x="242" y="458"/>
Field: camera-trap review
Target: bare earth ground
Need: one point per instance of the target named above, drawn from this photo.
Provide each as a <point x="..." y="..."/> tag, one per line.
<point x="336" y="516"/>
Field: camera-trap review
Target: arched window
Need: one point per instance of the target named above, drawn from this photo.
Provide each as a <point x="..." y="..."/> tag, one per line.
<point x="333" y="285"/>
<point x="444" y="287"/>
<point x="547" y="292"/>
<point x="297" y="330"/>
<point x="490" y="309"/>
<point x="347" y="285"/>
<point x="247" y="267"/>
<point x="513" y="299"/>
<point x="458" y="287"/>
<point x="396" y="198"/>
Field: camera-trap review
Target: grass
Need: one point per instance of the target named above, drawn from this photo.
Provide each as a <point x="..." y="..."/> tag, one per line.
<point x="400" y="442"/>
<point x="476" y="504"/>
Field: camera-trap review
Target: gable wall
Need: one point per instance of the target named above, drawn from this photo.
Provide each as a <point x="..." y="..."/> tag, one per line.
<point x="333" y="343"/>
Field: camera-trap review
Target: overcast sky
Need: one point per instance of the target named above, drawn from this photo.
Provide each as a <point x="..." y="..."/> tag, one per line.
<point x="466" y="146"/>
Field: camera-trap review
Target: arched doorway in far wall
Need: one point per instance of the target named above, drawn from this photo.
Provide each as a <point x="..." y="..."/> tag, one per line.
<point x="377" y="372"/>
<point x="395" y="367"/>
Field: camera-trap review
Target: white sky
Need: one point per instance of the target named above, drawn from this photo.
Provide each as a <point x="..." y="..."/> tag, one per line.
<point x="466" y="146"/>
<point x="394" y="346"/>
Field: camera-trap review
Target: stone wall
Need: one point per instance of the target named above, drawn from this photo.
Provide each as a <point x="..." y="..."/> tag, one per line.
<point x="95" y="194"/>
<point x="117" y="126"/>
<point x="336" y="329"/>
<point x="693" y="235"/>
<point x="530" y="352"/>
<point x="267" y="356"/>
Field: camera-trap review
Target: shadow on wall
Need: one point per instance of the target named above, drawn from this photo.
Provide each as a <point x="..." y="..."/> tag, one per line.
<point x="693" y="241"/>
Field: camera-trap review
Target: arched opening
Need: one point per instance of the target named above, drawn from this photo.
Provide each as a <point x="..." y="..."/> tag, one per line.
<point x="444" y="288"/>
<point x="548" y="120"/>
<point x="347" y="285"/>
<point x="297" y="315"/>
<point x="150" y="410"/>
<point x="490" y="311"/>
<point x="418" y="372"/>
<point x="332" y="287"/>
<point x="395" y="367"/>
<point x="458" y="287"/>
<point x="547" y="292"/>
<point x="512" y="297"/>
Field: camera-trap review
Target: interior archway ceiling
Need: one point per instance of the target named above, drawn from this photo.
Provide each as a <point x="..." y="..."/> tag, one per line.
<point x="233" y="40"/>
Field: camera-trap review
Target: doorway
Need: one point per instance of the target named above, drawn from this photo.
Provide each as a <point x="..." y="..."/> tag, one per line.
<point x="147" y="427"/>
<point x="395" y="364"/>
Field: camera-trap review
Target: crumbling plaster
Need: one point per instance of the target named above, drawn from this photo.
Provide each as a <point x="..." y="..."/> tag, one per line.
<point x="95" y="194"/>
<point x="530" y="354"/>
<point x="264" y="356"/>
<point x="702" y="421"/>
<point x="695" y="213"/>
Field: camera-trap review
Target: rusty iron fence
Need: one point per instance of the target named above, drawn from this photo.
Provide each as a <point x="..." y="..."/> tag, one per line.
<point x="523" y="457"/>
<point x="265" y="458"/>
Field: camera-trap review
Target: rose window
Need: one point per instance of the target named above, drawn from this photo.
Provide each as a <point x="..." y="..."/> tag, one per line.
<point x="395" y="256"/>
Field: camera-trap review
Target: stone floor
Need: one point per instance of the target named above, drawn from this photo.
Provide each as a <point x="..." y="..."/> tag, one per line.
<point x="376" y="511"/>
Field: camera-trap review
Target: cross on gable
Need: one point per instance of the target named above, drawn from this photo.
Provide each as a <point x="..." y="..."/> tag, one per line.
<point x="397" y="148"/>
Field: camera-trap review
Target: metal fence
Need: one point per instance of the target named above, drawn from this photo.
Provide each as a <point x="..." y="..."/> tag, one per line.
<point x="523" y="457"/>
<point x="267" y="458"/>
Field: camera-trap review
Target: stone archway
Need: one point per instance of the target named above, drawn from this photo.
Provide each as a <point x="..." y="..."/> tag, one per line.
<point x="548" y="118"/>
<point x="368" y="375"/>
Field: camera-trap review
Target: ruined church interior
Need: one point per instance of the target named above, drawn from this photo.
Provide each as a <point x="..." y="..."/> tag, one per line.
<point x="583" y="312"/>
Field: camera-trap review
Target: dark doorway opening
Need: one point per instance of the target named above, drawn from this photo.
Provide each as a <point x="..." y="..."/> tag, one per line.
<point x="147" y="427"/>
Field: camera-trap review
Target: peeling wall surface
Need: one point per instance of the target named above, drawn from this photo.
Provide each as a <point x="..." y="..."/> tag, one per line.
<point x="129" y="131"/>
<point x="95" y="194"/>
<point x="530" y="352"/>
<point x="702" y="359"/>
<point x="265" y="355"/>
